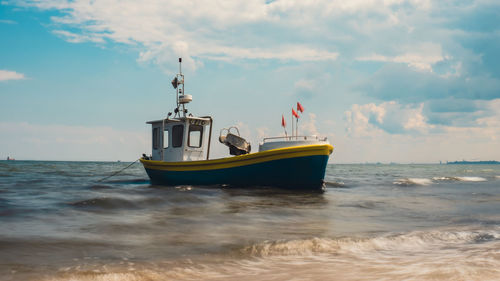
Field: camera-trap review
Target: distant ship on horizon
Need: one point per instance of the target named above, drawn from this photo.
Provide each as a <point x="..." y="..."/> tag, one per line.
<point x="463" y="162"/>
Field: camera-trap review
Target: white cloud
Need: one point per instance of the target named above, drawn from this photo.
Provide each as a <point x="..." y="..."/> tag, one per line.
<point x="8" y="21"/>
<point x="6" y="75"/>
<point x="373" y="136"/>
<point x="220" y="30"/>
<point x="297" y="53"/>
<point x="421" y="58"/>
<point x="263" y="132"/>
<point x="287" y="30"/>
<point x="63" y="142"/>
<point x="192" y="29"/>
<point x="307" y="125"/>
<point x="305" y="84"/>
<point x="489" y="126"/>
<point x="392" y="117"/>
<point x="77" y="38"/>
<point x="449" y="145"/>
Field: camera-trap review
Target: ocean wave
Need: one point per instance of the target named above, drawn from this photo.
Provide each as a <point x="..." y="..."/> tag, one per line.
<point x="98" y="275"/>
<point x="423" y="255"/>
<point x="114" y="203"/>
<point x="445" y="178"/>
<point x="425" y="181"/>
<point x="104" y="203"/>
<point x="364" y="205"/>
<point x="335" y="184"/>
<point x="413" y="181"/>
<point x="100" y="186"/>
<point x="471" y="179"/>
<point x="474" y="179"/>
<point x="410" y="241"/>
<point x="129" y="181"/>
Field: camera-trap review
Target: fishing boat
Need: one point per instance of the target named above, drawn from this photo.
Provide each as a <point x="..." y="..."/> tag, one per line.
<point x="181" y="153"/>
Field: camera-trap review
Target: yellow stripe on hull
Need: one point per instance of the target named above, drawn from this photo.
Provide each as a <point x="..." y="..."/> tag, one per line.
<point x="241" y="160"/>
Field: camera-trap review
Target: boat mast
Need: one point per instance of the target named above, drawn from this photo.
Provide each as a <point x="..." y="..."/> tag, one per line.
<point x="178" y="84"/>
<point x="181" y="90"/>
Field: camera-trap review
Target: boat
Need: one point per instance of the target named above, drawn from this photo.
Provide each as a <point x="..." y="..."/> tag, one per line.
<point x="180" y="153"/>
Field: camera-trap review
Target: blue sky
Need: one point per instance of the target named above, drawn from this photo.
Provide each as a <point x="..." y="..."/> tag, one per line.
<point x="386" y="81"/>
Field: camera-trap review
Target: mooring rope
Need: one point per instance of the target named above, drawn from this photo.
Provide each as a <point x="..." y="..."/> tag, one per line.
<point x="116" y="173"/>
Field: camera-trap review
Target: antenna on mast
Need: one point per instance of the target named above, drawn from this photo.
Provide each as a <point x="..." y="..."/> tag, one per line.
<point x="180" y="64"/>
<point x="181" y="98"/>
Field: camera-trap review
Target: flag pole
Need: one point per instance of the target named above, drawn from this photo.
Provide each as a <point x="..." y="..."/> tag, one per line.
<point x="296" y="127"/>
<point x="283" y="124"/>
<point x="300" y="109"/>
<point x="296" y="115"/>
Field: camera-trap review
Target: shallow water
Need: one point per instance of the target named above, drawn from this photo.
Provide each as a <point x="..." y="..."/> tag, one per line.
<point x="383" y="222"/>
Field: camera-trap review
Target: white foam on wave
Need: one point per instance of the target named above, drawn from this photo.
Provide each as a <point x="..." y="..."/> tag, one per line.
<point x="471" y="179"/>
<point x="413" y="181"/>
<point x="411" y="241"/>
<point x="335" y="184"/>
<point x="419" y="255"/>
<point x="475" y="179"/>
<point x="445" y="179"/>
<point x="466" y="254"/>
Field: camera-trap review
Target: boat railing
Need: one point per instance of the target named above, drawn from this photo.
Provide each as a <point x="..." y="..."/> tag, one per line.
<point x="293" y="138"/>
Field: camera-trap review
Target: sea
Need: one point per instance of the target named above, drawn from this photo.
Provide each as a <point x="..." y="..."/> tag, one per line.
<point x="67" y="221"/>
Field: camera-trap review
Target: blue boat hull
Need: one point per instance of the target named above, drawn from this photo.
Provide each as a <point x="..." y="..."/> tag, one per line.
<point x="292" y="167"/>
<point x="298" y="173"/>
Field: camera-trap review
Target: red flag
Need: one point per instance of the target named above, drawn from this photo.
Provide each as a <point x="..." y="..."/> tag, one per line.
<point x="283" y="123"/>
<point x="294" y="113"/>
<point x="299" y="107"/>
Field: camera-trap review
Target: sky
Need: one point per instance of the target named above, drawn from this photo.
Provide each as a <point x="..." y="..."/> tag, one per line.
<point x="404" y="81"/>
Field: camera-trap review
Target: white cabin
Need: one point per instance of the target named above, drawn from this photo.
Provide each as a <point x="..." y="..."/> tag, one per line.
<point x="181" y="139"/>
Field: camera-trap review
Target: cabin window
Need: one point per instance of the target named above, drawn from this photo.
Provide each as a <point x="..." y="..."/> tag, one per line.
<point x="156" y="138"/>
<point x="177" y="134"/>
<point x="195" y="135"/>
<point x="165" y="139"/>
